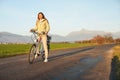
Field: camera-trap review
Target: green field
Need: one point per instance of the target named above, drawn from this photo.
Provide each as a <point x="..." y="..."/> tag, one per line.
<point x="13" y="49"/>
<point x="7" y="50"/>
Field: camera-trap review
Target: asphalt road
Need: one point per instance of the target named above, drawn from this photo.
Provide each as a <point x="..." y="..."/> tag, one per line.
<point x="88" y="63"/>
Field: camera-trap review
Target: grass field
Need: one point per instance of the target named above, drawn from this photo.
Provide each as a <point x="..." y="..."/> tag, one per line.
<point x="13" y="49"/>
<point x="7" y="50"/>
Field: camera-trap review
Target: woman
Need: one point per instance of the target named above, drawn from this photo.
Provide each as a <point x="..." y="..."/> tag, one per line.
<point x="42" y="27"/>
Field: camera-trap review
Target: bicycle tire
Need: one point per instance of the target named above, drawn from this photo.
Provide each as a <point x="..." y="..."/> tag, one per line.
<point x="32" y="54"/>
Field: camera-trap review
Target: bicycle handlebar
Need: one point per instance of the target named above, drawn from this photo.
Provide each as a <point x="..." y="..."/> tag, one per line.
<point x="35" y="32"/>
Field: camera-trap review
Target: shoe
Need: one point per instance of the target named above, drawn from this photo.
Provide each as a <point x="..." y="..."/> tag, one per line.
<point x="46" y="60"/>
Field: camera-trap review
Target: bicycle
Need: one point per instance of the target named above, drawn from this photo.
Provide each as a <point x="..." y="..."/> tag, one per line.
<point x="33" y="50"/>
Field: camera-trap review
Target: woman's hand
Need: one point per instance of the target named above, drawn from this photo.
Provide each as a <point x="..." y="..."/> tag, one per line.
<point x="32" y="30"/>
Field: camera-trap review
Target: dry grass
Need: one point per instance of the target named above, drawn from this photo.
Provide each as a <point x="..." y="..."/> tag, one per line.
<point x="116" y="63"/>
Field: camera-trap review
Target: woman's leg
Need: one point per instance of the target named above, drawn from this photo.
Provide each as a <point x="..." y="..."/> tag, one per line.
<point x="44" y="40"/>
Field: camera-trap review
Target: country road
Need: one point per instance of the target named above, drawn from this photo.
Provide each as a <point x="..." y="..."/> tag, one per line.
<point x="87" y="63"/>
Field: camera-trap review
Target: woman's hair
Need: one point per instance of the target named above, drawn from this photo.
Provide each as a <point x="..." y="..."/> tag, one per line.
<point x="42" y="15"/>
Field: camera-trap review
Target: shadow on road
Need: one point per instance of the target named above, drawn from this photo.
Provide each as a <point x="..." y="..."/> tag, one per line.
<point x="66" y="53"/>
<point x="69" y="53"/>
<point x="115" y="69"/>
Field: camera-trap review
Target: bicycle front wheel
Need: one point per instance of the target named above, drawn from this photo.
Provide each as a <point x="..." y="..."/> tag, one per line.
<point x="32" y="54"/>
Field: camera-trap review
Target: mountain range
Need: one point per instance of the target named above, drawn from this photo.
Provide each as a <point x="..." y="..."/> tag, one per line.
<point x="83" y="34"/>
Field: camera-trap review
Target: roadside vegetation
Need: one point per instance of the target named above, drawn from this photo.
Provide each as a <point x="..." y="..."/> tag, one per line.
<point x="116" y="63"/>
<point x="7" y="50"/>
<point x="55" y="46"/>
<point x="13" y="49"/>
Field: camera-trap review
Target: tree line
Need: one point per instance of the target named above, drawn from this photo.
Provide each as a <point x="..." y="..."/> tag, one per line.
<point x="101" y="40"/>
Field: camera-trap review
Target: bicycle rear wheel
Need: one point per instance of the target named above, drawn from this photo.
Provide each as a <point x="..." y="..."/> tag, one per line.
<point x="32" y="54"/>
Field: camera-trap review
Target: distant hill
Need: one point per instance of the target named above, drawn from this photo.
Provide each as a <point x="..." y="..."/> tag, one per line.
<point x="84" y="34"/>
<point x="6" y="37"/>
<point x="57" y="38"/>
<point x="88" y="34"/>
<point x="73" y="36"/>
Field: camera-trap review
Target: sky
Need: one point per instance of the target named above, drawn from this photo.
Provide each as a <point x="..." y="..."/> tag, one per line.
<point x="64" y="16"/>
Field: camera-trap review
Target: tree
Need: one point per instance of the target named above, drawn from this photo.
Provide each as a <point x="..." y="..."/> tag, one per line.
<point x="117" y="40"/>
<point x="99" y="39"/>
<point x="108" y="38"/>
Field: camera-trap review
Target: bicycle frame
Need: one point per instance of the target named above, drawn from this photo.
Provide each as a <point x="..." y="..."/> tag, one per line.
<point x="35" y="40"/>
